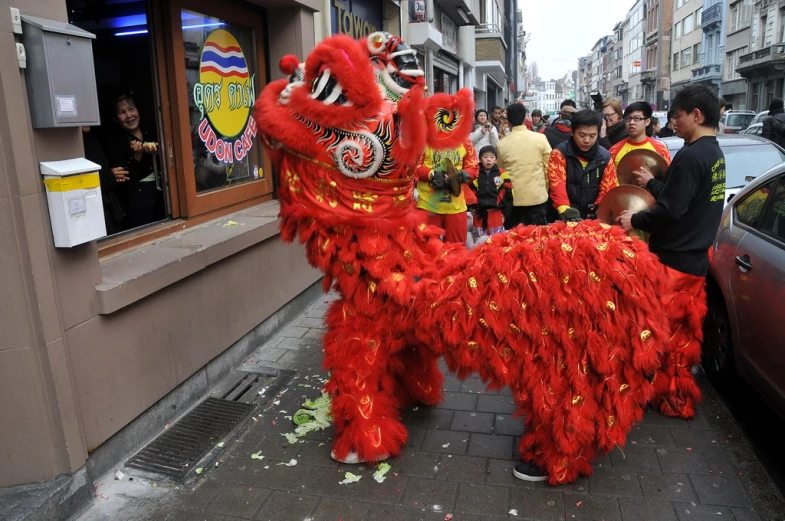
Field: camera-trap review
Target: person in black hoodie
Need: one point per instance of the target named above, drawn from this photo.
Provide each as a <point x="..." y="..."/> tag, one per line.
<point x="689" y="207"/>
<point x="616" y="129"/>
<point x="114" y="211"/>
<point x="683" y="224"/>
<point x="494" y="194"/>
<point x="774" y="125"/>
<point x="559" y="132"/>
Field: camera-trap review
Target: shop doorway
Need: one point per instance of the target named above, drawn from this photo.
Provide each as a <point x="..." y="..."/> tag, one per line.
<point x="127" y="145"/>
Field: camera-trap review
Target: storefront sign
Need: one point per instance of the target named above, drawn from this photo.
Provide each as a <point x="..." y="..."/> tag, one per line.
<point x="356" y="18"/>
<point x="225" y="96"/>
<point x="449" y="34"/>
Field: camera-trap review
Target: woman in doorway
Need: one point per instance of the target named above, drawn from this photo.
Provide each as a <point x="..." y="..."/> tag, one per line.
<point x="134" y="149"/>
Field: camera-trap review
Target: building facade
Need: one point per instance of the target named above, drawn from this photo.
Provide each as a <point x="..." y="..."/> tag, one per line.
<point x="764" y="65"/>
<point x="144" y="322"/>
<point x="634" y="52"/>
<point x="738" y="34"/>
<point x="687" y="42"/>
<point x="655" y="76"/>
<point x="712" y="22"/>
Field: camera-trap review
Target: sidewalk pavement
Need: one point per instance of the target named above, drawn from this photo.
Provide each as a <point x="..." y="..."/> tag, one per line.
<point x="457" y="465"/>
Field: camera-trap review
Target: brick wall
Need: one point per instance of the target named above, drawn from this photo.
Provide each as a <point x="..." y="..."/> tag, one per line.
<point x="489" y="49"/>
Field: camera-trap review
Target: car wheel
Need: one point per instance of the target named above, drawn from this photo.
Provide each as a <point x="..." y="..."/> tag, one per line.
<point x="717" y="356"/>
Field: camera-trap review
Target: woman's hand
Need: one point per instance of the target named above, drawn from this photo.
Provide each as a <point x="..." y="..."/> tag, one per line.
<point x="120" y="174"/>
<point x="137" y="146"/>
<point x="150" y="147"/>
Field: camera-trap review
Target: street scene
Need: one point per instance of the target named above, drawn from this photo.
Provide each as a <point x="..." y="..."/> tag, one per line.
<point x="392" y="259"/>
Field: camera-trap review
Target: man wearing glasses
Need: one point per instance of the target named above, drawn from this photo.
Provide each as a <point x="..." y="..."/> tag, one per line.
<point x="637" y="118"/>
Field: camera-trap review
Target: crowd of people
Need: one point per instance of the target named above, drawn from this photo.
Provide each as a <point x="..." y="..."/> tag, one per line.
<point x="519" y="168"/>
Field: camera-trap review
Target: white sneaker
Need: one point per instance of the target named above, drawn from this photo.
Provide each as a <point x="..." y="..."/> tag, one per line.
<point x="352" y="458"/>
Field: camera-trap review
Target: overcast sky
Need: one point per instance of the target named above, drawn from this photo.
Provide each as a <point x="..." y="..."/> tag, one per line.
<point x="564" y="30"/>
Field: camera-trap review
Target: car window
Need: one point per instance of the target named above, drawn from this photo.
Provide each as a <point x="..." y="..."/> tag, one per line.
<point x="739" y="120"/>
<point x="773" y="221"/>
<point x="749" y="160"/>
<point x="749" y="209"/>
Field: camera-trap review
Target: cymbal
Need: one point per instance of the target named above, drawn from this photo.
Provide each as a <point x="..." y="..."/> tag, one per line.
<point x="452" y="176"/>
<point x="624" y="197"/>
<point x="637" y="158"/>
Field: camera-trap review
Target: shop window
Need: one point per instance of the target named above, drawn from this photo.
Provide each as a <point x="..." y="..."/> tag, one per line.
<point x="177" y="79"/>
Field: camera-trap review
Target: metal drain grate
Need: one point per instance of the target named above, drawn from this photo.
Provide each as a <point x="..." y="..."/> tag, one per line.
<point x="175" y="451"/>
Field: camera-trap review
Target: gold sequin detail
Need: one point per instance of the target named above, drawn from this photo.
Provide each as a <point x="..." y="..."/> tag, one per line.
<point x="325" y="244"/>
<point x="450" y="279"/>
<point x="472" y="283"/>
<point x="472" y="345"/>
<point x="571" y="332"/>
<point x="469" y="310"/>
<point x="365" y="400"/>
<point x="566" y="247"/>
<point x="506" y="352"/>
<point x="550" y="390"/>
<point x="454" y="316"/>
<point x="610" y="305"/>
<point x="593" y="276"/>
<point x="623" y="388"/>
<point x="645" y="335"/>
<point x="421" y="227"/>
<point x="532" y="276"/>
<point x="572" y="224"/>
<point x="611" y="421"/>
<point x="397" y="277"/>
<point x="408" y="255"/>
<point x="602" y="246"/>
<point x="628" y="253"/>
<point x="501" y="278"/>
<point x="372" y="286"/>
<point x="348" y="267"/>
<point x="524" y="306"/>
<point x="561" y="363"/>
<point x="493" y="306"/>
<point x="577" y="399"/>
<point x="565" y="279"/>
<point x="515" y="328"/>
<point x="507" y="249"/>
<point x="545" y="331"/>
<point x="483" y="323"/>
<point x="605" y="226"/>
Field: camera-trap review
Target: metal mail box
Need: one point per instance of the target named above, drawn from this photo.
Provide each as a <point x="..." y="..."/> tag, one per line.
<point x="60" y="75"/>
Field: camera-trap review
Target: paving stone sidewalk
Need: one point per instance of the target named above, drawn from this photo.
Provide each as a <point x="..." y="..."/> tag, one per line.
<point x="458" y="462"/>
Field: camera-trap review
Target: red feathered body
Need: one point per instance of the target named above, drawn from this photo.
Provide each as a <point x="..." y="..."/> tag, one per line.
<point x="572" y="317"/>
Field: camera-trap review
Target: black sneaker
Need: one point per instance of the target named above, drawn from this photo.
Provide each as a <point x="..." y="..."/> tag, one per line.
<point x="528" y="472"/>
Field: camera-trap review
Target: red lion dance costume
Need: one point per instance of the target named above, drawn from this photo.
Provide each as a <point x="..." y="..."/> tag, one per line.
<point x="569" y="316"/>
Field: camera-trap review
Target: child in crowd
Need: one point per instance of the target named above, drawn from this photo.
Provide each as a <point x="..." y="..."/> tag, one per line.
<point x="494" y="195"/>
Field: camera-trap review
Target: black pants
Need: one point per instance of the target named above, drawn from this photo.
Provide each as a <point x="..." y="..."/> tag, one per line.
<point x="527" y="215"/>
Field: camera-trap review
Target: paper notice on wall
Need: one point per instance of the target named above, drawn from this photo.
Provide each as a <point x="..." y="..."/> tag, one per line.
<point x="66" y="106"/>
<point x="77" y="206"/>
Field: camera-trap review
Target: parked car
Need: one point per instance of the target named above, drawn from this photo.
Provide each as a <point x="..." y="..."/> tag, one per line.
<point x="755" y="129"/>
<point x="662" y="117"/>
<point x="737" y="120"/>
<point x="746" y="157"/>
<point x="743" y="331"/>
<point x="759" y="117"/>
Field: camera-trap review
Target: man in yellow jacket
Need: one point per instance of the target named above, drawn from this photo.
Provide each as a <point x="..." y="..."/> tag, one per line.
<point x="524" y="155"/>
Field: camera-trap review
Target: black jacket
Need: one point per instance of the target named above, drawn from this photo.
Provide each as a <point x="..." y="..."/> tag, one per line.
<point x="613" y="135"/>
<point x="557" y="134"/>
<point x="774" y="127"/>
<point x="685" y="219"/>
<point x="114" y="211"/>
<point x="583" y="184"/>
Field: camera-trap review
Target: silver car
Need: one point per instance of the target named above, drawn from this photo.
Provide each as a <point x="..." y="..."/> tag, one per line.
<point x="743" y="330"/>
<point x="746" y="157"/>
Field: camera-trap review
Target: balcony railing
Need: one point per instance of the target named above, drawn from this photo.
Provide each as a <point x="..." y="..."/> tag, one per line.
<point x="707" y="73"/>
<point x="649" y="76"/>
<point x="712" y="15"/>
<point x="487" y="29"/>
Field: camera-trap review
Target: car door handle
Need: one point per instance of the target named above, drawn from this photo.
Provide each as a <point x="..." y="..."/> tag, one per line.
<point x="744" y="262"/>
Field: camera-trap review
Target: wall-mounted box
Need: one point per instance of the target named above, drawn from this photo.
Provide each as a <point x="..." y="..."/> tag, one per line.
<point x="60" y="75"/>
<point x="76" y="210"/>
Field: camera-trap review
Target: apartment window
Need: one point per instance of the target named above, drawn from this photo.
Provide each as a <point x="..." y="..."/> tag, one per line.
<point x="687" y="25"/>
<point x="686" y="57"/>
<point x="698" y="15"/>
<point x="762" y="31"/>
<point x="696" y="53"/>
<point x="732" y="63"/>
<point x="675" y="61"/>
<point x="781" y="32"/>
<point x="734" y="17"/>
<point x="679" y="4"/>
<point x="677" y="30"/>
